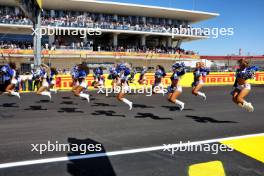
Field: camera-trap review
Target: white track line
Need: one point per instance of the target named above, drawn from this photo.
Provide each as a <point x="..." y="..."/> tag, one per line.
<point x="121" y="152"/>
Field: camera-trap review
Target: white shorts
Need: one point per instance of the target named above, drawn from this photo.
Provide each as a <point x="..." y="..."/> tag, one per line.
<point x="194" y="84"/>
<point x="173" y="89"/>
<point x="45" y="84"/>
<point x="244" y="86"/>
<point x="14" y="81"/>
<point x="53" y="82"/>
<point x="76" y="83"/>
<point x="125" y="88"/>
<point x="101" y="82"/>
<point x="179" y="88"/>
<point x="83" y="84"/>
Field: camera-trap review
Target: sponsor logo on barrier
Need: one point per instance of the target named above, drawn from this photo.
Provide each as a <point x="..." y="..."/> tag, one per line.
<point x="220" y="78"/>
<point x="259" y="77"/>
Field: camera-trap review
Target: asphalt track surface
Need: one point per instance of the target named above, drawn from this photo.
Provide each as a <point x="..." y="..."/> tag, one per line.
<point x="152" y="122"/>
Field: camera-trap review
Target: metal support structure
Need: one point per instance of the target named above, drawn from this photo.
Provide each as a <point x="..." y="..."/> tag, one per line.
<point x="37" y="39"/>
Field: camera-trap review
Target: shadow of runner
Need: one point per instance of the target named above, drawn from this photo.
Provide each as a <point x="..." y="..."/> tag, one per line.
<point x="68" y="103"/>
<point x="35" y="108"/>
<point x="207" y="119"/>
<point x="70" y="110"/>
<point x="103" y="104"/>
<point x="141" y="106"/>
<point x="97" y="166"/>
<point x="175" y="108"/>
<point x="44" y="101"/>
<point x="107" y="113"/>
<point x="9" y="105"/>
<point x="152" y="116"/>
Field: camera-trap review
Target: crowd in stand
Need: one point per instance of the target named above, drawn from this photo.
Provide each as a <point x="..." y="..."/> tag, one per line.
<point x="8" y="15"/>
<point x="158" y="49"/>
<point x="81" y="46"/>
<point x="16" y="44"/>
<point x="12" y="15"/>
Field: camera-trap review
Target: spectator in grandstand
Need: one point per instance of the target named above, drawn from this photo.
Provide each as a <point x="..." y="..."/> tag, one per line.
<point x="89" y="20"/>
<point x="30" y="81"/>
<point x="24" y="79"/>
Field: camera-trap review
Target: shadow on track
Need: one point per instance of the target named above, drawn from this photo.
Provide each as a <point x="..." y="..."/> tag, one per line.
<point x="141" y="106"/>
<point x="68" y="103"/>
<point x="107" y="113"/>
<point x="207" y="119"/>
<point x="152" y="116"/>
<point x="35" y="108"/>
<point x="100" y="166"/>
<point x="9" y="105"/>
<point x="175" y="108"/>
<point x="103" y="104"/>
<point x="44" y="101"/>
<point x="66" y="98"/>
<point x="69" y="110"/>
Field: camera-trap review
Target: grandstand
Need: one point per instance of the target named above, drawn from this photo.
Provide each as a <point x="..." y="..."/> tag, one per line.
<point x="138" y="34"/>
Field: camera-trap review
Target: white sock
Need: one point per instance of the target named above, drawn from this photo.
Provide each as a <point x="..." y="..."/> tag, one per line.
<point x="86" y="96"/>
<point x="15" y="94"/>
<point x="248" y="106"/>
<point x="201" y="94"/>
<point x="179" y="102"/>
<point x="129" y="103"/>
<point x="46" y="93"/>
<point x="126" y="101"/>
<point x="53" y="90"/>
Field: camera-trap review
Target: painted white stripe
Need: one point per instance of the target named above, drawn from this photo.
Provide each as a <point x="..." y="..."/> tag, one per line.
<point x="122" y="152"/>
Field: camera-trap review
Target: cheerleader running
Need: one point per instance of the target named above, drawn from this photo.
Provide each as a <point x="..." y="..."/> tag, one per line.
<point x="175" y="89"/>
<point x="159" y="74"/>
<point x="74" y="74"/>
<point x="113" y="75"/>
<point x="199" y="73"/>
<point x="124" y="72"/>
<point x="98" y="77"/>
<point x="142" y="79"/>
<point x="10" y="79"/>
<point x="52" y="79"/>
<point x="44" y="74"/>
<point x="241" y="85"/>
<point x="83" y="71"/>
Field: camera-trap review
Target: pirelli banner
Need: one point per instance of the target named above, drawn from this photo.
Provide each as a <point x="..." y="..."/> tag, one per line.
<point x="63" y="82"/>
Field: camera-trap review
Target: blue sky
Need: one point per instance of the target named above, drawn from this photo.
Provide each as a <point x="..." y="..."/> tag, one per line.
<point x="245" y="16"/>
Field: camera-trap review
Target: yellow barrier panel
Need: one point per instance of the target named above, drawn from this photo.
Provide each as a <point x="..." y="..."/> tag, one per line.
<point x="63" y="82"/>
